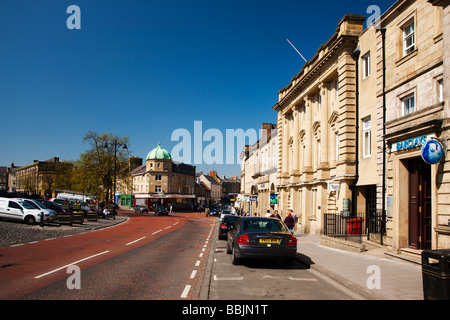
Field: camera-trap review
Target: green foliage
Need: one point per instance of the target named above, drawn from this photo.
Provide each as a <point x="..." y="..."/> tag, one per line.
<point x="94" y="171"/>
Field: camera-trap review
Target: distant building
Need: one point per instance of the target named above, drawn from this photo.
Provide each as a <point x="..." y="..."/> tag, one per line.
<point x="41" y="177"/>
<point x="213" y="185"/>
<point x="163" y="182"/>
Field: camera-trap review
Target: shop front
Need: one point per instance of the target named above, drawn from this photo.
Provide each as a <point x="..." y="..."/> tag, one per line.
<point x="179" y="202"/>
<point x="412" y="194"/>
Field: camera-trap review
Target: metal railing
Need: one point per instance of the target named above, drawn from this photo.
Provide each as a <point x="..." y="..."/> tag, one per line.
<point x="348" y="227"/>
<point x="353" y="227"/>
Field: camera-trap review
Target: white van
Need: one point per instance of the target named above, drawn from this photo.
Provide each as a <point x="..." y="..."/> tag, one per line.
<point x="15" y="209"/>
<point x="39" y="206"/>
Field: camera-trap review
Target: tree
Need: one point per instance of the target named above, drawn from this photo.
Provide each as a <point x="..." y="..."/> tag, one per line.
<point x="94" y="171"/>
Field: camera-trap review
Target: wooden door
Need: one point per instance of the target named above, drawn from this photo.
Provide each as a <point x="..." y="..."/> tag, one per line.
<point x="419" y="221"/>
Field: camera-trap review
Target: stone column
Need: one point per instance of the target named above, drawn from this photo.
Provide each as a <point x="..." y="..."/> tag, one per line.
<point x="324" y="122"/>
<point x="308" y="133"/>
<point x="295" y="143"/>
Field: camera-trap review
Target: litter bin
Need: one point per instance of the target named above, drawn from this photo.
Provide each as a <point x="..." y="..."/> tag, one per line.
<point x="436" y="274"/>
<point x="354" y="225"/>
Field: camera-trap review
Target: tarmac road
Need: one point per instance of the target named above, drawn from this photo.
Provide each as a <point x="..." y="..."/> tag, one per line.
<point x="114" y="262"/>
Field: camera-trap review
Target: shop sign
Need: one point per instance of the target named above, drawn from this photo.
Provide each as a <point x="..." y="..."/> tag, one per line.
<point x="432" y="151"/>
<point x="409" y="143"/>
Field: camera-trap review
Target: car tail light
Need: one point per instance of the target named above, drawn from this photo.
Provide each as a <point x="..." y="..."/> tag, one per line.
<point x="292" y="240"/>
<point x="244" y="239"/>
<point x="223" y="226"/>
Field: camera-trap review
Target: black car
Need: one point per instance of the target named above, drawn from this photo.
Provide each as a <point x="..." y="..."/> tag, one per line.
<point x="140" y="209"/>
<point x="227" y="221"/>
<point x="162" y="211"/>
<point x="50" y="205"/>
<point x="261" y="237"/>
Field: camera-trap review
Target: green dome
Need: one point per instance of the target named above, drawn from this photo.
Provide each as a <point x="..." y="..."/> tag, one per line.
<point x="159" y="154"/>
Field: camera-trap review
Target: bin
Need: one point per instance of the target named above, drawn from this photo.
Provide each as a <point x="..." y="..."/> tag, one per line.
<point x="436" y="274"/>
<point x="354" y="225"/>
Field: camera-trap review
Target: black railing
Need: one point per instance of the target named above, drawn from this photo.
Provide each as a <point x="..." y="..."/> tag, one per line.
<point x="348" y="227"/>
<point x="353" y="227"/>
<point x="375" y="224"/>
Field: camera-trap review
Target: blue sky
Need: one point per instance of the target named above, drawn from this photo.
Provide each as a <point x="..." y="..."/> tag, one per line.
<point x="146" y="68"/>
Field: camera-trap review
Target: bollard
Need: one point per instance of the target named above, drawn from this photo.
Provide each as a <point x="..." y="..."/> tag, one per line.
<point x="42" y="219"/>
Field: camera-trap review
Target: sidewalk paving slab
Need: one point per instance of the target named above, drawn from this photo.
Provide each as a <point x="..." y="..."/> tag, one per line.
<point x="358" y="271"/>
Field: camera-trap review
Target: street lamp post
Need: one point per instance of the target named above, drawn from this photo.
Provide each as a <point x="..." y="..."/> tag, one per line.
<point x="117" y="145"/>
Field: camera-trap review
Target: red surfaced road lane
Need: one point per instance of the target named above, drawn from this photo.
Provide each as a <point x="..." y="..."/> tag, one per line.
<point x="27" y="268"/>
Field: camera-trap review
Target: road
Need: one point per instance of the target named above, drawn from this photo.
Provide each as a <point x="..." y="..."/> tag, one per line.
<point x="269" y="280"/>
<point x="147" y="257"/>
<point x="153" y="258"/>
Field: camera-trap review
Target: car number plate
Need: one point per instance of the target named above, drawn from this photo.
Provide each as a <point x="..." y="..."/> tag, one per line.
<point x="268" y="240"/>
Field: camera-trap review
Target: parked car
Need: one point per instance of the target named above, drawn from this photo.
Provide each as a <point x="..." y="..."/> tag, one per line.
<point x="15" y="209"/>
<point x="39" y="206"/>
<point x="140" y="209"/>
<point x="260" y="237"/>
<point x="50" y="205"/>
<point x="227" y="221"/>
<point x="162" y="211"/>
<point x="223" y="213"/>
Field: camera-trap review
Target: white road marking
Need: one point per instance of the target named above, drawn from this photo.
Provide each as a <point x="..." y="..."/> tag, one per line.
<point x="193" y="274"/>
<point x="134" y="241"/>
<point x="185" y="291"/>
<point x="156" y="232"/>
<point x="95" y="255"/>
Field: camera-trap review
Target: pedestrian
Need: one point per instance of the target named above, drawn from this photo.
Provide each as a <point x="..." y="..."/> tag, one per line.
<point x="289" y="221"/>
<point x="106" y="213"/>
<point x="295" y="219"/>
<point x="276" y="215"/>
<point x="268" y="214"/>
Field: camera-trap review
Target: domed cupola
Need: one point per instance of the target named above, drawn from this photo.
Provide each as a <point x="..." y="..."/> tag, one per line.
<point x="159" y="154"/>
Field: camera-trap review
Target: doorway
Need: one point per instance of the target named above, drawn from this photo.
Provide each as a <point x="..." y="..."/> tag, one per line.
<point x="419" y="211"/>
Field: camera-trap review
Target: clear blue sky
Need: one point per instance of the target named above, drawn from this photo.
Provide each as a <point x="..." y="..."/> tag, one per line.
<point x="145" y="68"/>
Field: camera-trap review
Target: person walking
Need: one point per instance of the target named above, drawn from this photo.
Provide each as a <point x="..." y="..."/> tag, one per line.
<point x="276" y="215"/>
<point x="295" y="219"/>
<point x="289" y="221"/>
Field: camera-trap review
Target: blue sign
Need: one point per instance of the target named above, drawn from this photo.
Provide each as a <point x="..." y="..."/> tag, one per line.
<point x="432" y="151"/>
<point x="411" y="143"/>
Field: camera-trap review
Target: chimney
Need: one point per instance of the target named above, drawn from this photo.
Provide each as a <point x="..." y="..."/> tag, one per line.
<point x="213" y="173"/>
<point x="266" y="129"/>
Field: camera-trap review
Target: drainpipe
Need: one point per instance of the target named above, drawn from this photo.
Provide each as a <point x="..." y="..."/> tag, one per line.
<point x="355" y="56"/>
<point x="383" y="191"/>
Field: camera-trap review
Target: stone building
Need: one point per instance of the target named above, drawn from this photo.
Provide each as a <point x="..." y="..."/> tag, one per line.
<point x="316" y="130"/>
<point x="408" y="70"/>
<point x="164" y="182"/>
<point x="441" y="225"/>
<point x="41" y="177"/>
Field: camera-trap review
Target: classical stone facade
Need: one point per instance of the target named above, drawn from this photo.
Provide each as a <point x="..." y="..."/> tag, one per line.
<point x="316" y="129"/>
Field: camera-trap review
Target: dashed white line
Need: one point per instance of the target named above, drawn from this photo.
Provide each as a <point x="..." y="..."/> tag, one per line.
<point x="197" y="263"/>
<point x="185" y="291"/>
<point x="156" y="232"/>
<point x="193" y="274"/>
<point x="50" y="272"/>
<point x="134" y="241"/>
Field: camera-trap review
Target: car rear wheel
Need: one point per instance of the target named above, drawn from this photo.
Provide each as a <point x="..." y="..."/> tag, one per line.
<point x="228" y="248"/>
<point x="234" y="259"/>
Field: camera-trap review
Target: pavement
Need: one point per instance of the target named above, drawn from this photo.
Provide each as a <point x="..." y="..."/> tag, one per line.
<point x="369" y="275"/>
